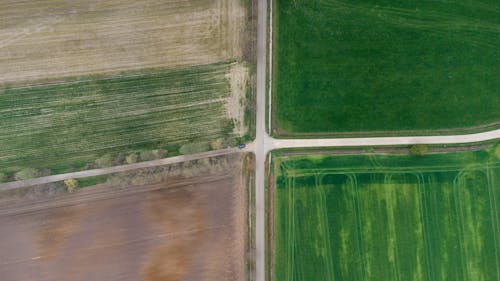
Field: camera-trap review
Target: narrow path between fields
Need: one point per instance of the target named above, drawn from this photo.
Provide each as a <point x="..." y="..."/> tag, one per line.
<point x="264" y="144"/>
<point x="115" y="169"/>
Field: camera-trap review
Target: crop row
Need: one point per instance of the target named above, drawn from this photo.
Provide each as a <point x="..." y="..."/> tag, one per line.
<point x="72" y="122"/>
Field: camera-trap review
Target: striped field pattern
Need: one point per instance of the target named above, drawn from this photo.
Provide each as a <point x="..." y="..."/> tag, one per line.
<point x="62" y="124"/>
<point x="434" y="217"/>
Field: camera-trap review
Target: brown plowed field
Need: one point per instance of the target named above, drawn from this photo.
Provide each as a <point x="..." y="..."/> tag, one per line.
<point x="190" y="229"/>
<point x="46" y="39"/>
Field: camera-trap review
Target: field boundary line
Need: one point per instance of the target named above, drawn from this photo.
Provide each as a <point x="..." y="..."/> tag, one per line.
<point x="124" y="75"/>
<point x="270" y="79"/>
<point x="393" y="133"/>
<point x="98" y="194"/>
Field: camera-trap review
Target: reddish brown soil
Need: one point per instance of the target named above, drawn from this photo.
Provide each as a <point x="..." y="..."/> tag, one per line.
<point x="188" y="230"/>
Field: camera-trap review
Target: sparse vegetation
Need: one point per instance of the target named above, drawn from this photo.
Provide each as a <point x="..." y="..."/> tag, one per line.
<point x="161" y="173"/>
<point x="217" y="144"/>
<point x="152" y="154"/>
<point x="132" y="158"/>
<point x="195" y="147"/>
<point x="104" y="161"/>
<point x="419" y="149"/>
<point x="36" y="192"/>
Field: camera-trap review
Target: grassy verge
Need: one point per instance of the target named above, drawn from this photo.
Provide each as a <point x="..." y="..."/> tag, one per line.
<point x="251" y="60"/>
<point x="272" y="72"/>
<point x="128" y="179"/>
<point x="280" y="133"/>
<point x="269" y="216"/>
<point x="249" y="178"/>
<point x="91" y="181"/>
<point x="250" y="106"/>
<point x="392" y="149"/>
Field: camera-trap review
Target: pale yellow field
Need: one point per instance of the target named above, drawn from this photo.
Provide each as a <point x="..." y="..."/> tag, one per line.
<point x="44" y="39"/>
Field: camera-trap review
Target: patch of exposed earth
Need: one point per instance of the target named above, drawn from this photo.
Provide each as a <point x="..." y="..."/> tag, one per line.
<point x="188" y="229"/>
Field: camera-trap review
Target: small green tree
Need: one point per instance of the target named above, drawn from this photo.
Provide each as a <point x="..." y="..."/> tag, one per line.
<point x="419" y="149"/>
<point x="28" y="173"/>
<point x="71" y="185"/>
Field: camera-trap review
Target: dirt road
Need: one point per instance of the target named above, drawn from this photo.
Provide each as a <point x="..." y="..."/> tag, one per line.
<point x="260" y="141"/>
<point x="264" y="144"/>
<point x="455" y="139"/>
<point x="122" y="168"/>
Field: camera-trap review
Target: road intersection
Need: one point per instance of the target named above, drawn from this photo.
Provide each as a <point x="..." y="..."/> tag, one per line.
<point x="263" y="144"/>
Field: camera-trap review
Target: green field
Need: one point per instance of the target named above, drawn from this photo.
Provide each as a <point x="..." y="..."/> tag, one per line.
<point x="387" y="217"/>
<point x="55" y="126"/>
<point x="385" y="65"/>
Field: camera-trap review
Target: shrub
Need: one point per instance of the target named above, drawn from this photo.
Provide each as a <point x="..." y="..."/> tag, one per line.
<point x="27" y="173"/>
<point x="104" y="161"/>
<point x="195" y="147"/>
<point x="118" y="160"/>
<point x="160" y="153"/>
<point x="132" y="158"/>
<point x="3" y="177"/>
<point x="71" y="185"/>
<point x="217" y="144"/>
<point x="419" y="149"/>
<point x="147" y="155"/>
<point x="153" y="154"/>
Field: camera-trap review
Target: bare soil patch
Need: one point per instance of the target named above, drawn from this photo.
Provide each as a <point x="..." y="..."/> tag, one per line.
<point x="186" y="229"/>
<point x="48" y="39"/>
